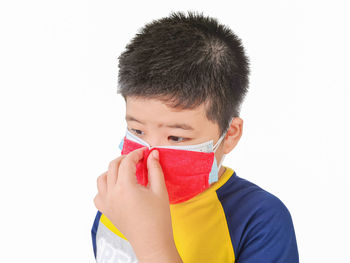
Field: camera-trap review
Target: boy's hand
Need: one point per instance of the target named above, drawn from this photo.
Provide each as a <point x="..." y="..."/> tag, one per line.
<point x="141" y="213"/>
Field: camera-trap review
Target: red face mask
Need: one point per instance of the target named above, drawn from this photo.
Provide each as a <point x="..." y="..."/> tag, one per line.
<point x="186" y="173"/>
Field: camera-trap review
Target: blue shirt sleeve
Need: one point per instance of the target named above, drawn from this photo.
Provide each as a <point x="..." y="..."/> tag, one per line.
<point x="260" y="225"/>
<point x="269" y="235"/>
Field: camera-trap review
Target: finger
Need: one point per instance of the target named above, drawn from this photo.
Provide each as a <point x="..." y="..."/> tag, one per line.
<point x="102" y="183"/>
<point x="113" y="168"/>
<point x="127" y="169"/>
<point x="155" y="174"/>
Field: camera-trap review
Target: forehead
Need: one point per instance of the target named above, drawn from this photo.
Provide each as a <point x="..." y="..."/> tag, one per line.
<point x="157" y="112"/>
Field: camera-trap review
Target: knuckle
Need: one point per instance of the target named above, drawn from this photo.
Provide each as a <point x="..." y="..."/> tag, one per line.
<point x="123" y="161"/>
<point x="122" y="166"/>
<point x="101" y="177"/>
<point x="97" y="202"/>
<point x="119" y="158"/>
<point x="115" y="161"/>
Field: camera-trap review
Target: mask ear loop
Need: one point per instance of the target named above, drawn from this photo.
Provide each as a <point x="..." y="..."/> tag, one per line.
<point x="222" y="136"/>
<point x="218" y="143"/>
<point x="216" y="146"/>
<point x="213" y="176"/>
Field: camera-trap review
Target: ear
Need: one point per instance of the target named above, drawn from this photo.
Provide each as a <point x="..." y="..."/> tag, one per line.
<point x="233" y="135"/>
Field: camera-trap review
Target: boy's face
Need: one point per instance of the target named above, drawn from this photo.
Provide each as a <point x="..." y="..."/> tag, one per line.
<point x="160" y="125"/>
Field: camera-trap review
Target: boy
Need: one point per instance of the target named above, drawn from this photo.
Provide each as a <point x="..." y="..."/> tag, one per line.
<point x="167" y="198"/>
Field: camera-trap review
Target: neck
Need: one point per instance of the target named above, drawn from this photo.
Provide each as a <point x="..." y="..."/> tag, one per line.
<point x="221" y="172"/>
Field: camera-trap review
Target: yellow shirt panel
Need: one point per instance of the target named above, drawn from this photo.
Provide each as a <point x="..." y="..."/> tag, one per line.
<point x="200" y="230"/>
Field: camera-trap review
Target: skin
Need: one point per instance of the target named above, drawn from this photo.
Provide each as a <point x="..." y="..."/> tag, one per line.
<point x="141" y="213"/>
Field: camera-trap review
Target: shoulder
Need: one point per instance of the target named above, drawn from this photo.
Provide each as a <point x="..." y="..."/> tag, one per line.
<point x="259" y="223"/>
<point x="248" y="198"/>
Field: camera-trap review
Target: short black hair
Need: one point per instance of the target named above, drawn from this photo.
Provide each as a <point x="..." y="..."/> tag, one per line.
<point x="187" y="60"/>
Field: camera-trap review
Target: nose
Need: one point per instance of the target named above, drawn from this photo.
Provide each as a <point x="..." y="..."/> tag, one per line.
<point x="154" y="141"/>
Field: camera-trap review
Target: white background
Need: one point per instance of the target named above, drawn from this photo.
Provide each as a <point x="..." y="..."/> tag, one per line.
<point x="62" y="121"/>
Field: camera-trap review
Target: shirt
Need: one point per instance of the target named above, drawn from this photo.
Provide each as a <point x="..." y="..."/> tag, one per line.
<point x="232" y="221"/>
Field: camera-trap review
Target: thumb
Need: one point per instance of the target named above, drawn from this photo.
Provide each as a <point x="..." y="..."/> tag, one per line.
<point x="155" y="174"/>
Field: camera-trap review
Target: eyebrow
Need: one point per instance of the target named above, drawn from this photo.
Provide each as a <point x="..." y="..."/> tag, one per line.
<point x="180" y="126"/>
<point x="174" y="126"/>
<point x="130" y="118"/>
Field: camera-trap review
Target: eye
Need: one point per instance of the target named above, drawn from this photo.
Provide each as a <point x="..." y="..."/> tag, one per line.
<point x="176" y="139"/>
<point x="137" y="132"/>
